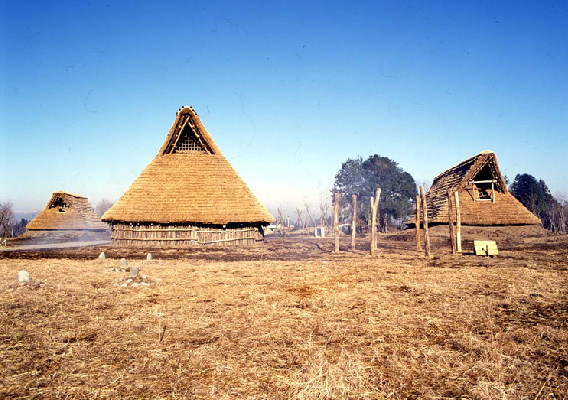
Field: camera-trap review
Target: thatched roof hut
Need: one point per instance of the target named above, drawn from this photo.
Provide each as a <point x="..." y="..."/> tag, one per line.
<point x="188" y="195"/>
<point x="67" y="212"/>
<point x="483" y="194"/>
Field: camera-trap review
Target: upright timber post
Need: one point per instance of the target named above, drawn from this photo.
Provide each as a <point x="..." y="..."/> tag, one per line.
<point x="451" y="221"/>
<point x="372" y="225"/>
<point x="376" y="205"/>
<point x="336" y="221"/>
<point x="425" y="216"/>
<point x="354" y="222"/>
<point x="458" y="224"/>
<point x="418" y="245"/>
<point x="374" y="208"/>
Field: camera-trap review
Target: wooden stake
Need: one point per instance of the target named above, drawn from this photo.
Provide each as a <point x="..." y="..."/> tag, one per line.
<point x="372" y="225"/>
<point x="458" y="224"/>
<point x="451" y="221"/>
<point x="425" y="216"/>
<point x="418" y="244"/>
<point x="354" y="222"/>
<point x="336" y="221"/>
<point x="374" y="209"/>
<point x="377" y="201"/>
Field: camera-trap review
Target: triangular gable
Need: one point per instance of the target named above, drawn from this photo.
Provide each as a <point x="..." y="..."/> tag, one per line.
<point x="483" y="170"/>
<point x="188" y="135"/>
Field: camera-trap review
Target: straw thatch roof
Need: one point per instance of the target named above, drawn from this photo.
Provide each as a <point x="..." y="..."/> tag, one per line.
<point x="67" y="211"/>
<point x="484" y="198"/>
<point x="189" y="181"/>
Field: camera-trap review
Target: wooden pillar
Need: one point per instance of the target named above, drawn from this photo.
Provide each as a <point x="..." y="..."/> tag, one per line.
<point x="418" y="244"/>
<point x="354" y="222"/>
<point x="458" y="224"/>
<point x="377" y="201"/>
<point x="372" y="225"/>
<point x="336" y="221"/>
<point x="425" y="217"/>
<point x="374" y="209"/>
<point x="451" y="221"/>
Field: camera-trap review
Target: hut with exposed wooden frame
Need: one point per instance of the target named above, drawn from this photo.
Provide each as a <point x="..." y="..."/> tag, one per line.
<point x="483" y="195"/>
<point x="67" y="212"/>
<point x="189" y="195"/>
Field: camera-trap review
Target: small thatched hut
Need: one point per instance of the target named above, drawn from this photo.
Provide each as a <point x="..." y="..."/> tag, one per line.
<point x="67" y="212"/>
<point x="483" y="195"/>
<point x="188" y="195"/>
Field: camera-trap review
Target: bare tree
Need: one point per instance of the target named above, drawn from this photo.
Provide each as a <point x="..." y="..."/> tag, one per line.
<point x="307" y="206"/>
<point x="426" y="184"/>
<point x="280" y="223"/>
<point x="102" y="206"/>
<point x="299" y="222"/>
<point x="324" y="208"/>
<point x="6" y="218"/>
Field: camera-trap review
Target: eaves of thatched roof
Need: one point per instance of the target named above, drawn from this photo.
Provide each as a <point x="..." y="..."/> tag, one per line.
<point x="197" y="186"/>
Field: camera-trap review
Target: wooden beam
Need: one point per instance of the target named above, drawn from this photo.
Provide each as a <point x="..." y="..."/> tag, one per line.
<point x="418" y="244"/>
<point x="336" y="221"/>
<point x="377" y="201"/>
<point x="458" y="223"/>
<point x="372" y="225"/>
<point x="425" y="218"/>
<point x="353" y="221"/>
<point x="451" y="221"/>
<point x="374" y="209"/>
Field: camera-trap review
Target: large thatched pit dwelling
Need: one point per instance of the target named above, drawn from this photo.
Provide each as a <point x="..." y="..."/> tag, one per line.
<point x="188" y="195"/>
<point x="483" y="196"/>
<point x="66" y="212"/>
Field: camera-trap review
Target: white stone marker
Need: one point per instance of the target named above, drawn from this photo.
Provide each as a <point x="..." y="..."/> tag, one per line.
<point x="23" y="276"/>
<point x="149" y="257"/>
<point x="123" y="262"/>
<point x="134" y="271"/>
<point x="102" y="256"/>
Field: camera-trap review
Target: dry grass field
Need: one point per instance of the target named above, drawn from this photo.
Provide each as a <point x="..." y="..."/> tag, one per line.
<point x="288" y="320"/>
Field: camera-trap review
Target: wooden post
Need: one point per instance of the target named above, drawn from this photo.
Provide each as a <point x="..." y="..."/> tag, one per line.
<point x="458" y="224"/>
<point x="374" y="208"/>
<point x="336" y="221"/>
<point x="376" y="205"/>
<point x="425" y="216"/>
<point x="354" y="222"/>
<point x="451" y="221"/>
<point x="418" y="244"/>
<point x="372" y="225"/>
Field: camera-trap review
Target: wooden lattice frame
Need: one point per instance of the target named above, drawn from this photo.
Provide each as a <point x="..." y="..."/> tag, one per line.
<point x="189" y="143"/>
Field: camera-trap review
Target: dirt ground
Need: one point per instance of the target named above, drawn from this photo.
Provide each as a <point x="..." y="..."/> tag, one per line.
<point x="290" y="319"/>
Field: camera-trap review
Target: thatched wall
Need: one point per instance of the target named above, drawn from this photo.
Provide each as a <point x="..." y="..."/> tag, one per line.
<point x="185" y="235"/>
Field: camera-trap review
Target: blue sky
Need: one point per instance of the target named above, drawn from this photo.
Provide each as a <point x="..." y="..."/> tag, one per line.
<point x="288" y="90"/>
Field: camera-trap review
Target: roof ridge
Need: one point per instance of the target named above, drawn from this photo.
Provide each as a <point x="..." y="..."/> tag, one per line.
<point x="69" y="193"/>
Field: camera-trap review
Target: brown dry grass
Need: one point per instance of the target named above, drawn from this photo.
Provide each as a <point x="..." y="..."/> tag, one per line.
<point x="326" y="326"/>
